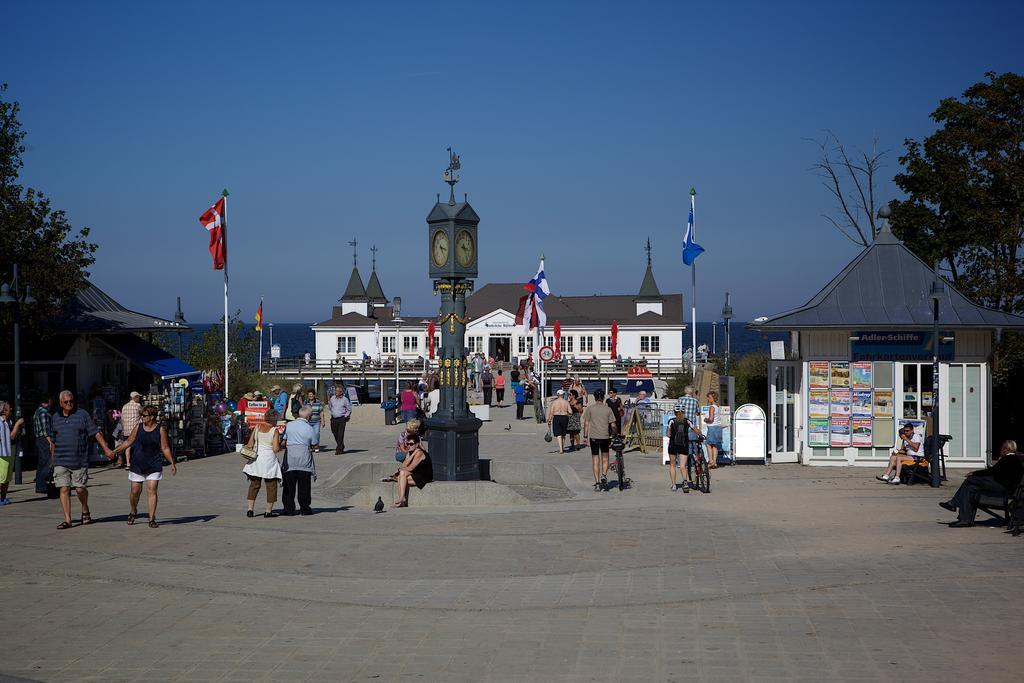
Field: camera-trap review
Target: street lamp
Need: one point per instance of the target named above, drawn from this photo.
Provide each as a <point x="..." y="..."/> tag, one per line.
<point x="727" y="316"/>
<point x="937" y="291"/>
<point x="14" y="295"/>
<point x="179" y="319"/>
<point x="396" y="312"/>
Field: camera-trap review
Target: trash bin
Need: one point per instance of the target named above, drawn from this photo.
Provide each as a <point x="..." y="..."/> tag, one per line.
<point x="390" y="411"/>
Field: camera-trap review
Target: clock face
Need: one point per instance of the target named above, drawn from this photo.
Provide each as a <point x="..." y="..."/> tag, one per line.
<point x="439" y="248"/>
<point x="465" y="250"/>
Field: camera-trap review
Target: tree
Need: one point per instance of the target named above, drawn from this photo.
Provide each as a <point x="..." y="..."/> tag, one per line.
<point x="53" y="258"/>
<point x="851" y="181"/>
<point x="206" y="352"/>
<point x="965" y="192"/>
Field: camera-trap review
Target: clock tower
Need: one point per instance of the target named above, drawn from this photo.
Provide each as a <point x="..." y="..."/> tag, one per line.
<point x="453" y="437"/>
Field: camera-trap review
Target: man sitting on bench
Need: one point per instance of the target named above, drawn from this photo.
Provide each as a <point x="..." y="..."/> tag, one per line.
<point x="1001" y="479"/>
<point x="909" y="449"/>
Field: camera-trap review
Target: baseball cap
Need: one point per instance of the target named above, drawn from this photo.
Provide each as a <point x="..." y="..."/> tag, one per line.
<point x="134" y="394"/>
<point x="560" y="392"/>
<point x="275" y="388"/>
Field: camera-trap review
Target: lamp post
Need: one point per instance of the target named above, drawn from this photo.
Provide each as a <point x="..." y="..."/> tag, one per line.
<point x="727" y="317"/>
<point x="13" y="294"/>
<point x="179" y="319"/>
<point x="396" y="311"/>
<point x="937" y="291"/>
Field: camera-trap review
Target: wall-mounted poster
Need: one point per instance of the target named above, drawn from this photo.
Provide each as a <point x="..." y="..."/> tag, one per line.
<point x="861" y="405"/>
<point x="819" y="433"/>
<point x="839" y="400"/>
<point x="883" y="403"/>
<point x="861" y="432"/>
<point x="860" y="375"/>
<point x="818" y="371"/>
<point x="840" y="433"/>
<point x="817" y="403"/>
<point x="840" y="374"/>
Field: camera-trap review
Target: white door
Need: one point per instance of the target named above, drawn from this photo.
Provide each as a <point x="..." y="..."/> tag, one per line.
<point x="785" y="430"/>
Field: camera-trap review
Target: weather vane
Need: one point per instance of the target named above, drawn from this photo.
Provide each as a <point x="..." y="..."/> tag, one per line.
<point x="449" y="173"/>
<point x="354" y="244"/>
<point x="373" y="251"/>
<point x="648" y="250"/>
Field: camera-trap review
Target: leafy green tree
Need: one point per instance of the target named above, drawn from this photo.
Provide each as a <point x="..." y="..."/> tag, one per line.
<point x="206" y="352"/>
<point x="53" y="257"/>
<point x="965" y="192"/>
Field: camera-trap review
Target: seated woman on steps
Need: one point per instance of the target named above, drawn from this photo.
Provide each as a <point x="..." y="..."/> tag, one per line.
<point x="417" y="470"/>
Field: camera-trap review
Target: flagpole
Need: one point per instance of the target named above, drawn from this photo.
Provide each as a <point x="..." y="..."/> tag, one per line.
<point x="261" y="336"/>
<point x="693" y="274"/>
<point x="224" y="238"/>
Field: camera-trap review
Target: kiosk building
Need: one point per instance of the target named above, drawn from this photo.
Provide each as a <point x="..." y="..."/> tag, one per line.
<point x="860" y="363"/>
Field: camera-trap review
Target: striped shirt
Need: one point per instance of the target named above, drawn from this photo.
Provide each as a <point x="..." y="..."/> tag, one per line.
<point x="41" y="423"/>
<point x="690" y="408"/>
<point x="317" y="408"/>
<point x="70" y="434"/>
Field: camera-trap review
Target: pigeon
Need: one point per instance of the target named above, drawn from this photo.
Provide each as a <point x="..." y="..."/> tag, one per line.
<point x="509" y="428"/>
<point x="379" y="505"/>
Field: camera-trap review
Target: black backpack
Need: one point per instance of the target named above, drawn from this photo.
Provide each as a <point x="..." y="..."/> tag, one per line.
<point x="680" y="434"/>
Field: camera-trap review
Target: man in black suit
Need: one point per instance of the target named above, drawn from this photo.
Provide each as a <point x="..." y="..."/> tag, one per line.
<point x="1001" y="479"/>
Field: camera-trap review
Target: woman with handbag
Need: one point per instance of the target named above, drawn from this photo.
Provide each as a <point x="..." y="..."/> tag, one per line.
<point x="150" y="448"/>
<point x="263" y="466"/>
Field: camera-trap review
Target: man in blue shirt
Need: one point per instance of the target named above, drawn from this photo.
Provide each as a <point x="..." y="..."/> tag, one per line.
<point x="70" y="431"/>
<point x="298" y="467"/>
<point x="688" y="404"/>
<point x="280" y="400"/>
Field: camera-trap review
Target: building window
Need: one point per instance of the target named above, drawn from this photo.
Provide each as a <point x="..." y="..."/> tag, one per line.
<point x="346" y="344"/>
<point x="605" y="345"/>
<point x="586" y="344"/>
<point x="525" y="345"/>
<point x="549" y="341"/>
<point x="475" y="344"/>
<point x="387" y="344"/>
<point x="437" y="342"/>
<point x="567" y="344"/>
<point x="650" y="344"/>
<point x="410" y="344"/>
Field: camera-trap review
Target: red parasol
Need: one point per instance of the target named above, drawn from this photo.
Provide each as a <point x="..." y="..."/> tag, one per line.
<point x="558" y="339"/>
<point x="430" y="339"/>
<point x="615" y="339"/>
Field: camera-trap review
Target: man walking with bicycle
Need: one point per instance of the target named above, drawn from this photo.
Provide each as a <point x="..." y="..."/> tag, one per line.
<point x="691" y="411"/>
<point x="598" y="427"/>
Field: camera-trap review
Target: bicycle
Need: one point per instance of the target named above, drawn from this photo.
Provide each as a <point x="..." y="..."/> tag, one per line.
<point x="697" y="469"/>
<point x="618" y="445"/>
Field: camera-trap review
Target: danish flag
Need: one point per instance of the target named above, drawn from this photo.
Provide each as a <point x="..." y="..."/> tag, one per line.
<point x="215" y="222"/>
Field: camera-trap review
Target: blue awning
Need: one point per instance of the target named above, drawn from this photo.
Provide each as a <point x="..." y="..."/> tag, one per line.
<point x="153" y="358"/>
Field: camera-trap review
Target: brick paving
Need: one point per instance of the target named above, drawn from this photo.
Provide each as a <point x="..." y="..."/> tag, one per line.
<point x="782" y="573"/>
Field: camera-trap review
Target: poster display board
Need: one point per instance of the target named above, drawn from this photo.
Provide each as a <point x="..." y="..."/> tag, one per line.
<point x="751" y="433"/>
<point x="254" y="412"/>
<point x="845" y="408"/>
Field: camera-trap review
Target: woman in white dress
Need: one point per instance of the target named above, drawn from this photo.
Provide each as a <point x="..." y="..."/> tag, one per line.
<point x="265" y="468"/>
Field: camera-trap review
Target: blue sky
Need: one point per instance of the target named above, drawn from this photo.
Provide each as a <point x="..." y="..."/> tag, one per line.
<point x="581" y="127"/>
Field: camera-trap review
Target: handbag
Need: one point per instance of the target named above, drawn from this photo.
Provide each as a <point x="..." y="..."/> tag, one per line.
<point x="248" y="453"/>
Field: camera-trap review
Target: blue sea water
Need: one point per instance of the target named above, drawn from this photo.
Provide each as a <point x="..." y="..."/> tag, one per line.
<point x="296" y="338"/>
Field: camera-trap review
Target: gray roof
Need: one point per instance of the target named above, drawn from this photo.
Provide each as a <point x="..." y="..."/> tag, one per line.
<point x="886" y="286"/>
<point x="649" y="288"/>
<point x="93" y="310"/>
<point x="382" y="316"/>
<point x="355" y="290"/>
<point x="374" y="291"/>
<point x="597" y="310"/>
<point x="444" y="211"/>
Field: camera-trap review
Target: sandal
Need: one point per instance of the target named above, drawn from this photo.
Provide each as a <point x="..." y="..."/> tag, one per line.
<point x="64" y="525"/>
<point x="400" y="504"/>
<point x="131" y="518"/>
<point x="153" y="524"/>
<point x="86" y="518"/>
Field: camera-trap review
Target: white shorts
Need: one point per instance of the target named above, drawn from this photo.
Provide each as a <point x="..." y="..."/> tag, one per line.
<point x="155" y="476"/>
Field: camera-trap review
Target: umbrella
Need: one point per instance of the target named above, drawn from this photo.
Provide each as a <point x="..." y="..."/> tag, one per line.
<point x="430" y="339"/>
<point x="558" y="339"/>
<point x="615" y="339"/>
<point x="376" y="340"/>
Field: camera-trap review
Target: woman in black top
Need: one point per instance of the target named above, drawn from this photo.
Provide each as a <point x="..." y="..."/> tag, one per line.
<point x="147" y="462"/>
<point x="416" y="469"/>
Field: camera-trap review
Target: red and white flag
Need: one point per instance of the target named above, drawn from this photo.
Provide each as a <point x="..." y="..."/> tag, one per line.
<point x="214" y="221"/>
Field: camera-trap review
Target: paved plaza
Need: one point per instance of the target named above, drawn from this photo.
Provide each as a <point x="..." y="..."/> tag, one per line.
<point x="782" y="573"/>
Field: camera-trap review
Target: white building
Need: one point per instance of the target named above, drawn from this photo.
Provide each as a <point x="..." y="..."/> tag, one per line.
<point x="650" y="325"/>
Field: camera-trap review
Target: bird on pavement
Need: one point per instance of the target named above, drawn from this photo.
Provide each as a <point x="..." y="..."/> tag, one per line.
<point x="509" y="428"/>
<point x="379" y="505"/>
